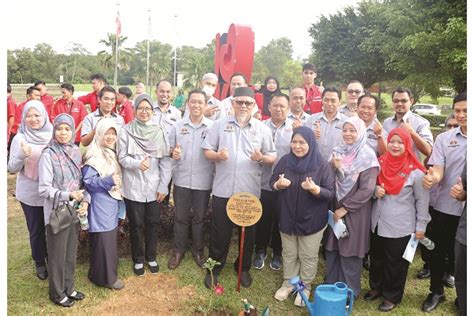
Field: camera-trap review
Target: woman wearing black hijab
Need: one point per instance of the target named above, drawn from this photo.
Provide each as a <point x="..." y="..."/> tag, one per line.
<point x="270" y="87"/>
<point x="306" y="184"/>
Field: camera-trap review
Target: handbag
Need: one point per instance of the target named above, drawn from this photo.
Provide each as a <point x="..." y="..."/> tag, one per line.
<point x="62" y="215"/>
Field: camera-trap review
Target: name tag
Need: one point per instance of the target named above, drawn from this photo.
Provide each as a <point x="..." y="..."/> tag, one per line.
<point x="453" y="143"/>
<point x="371" y="136"/>
<point x="229" y="128"/>
<point x="184" y="131"/>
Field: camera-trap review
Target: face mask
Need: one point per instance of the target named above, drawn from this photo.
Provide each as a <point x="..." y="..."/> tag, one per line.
<point x="209" y="91"/>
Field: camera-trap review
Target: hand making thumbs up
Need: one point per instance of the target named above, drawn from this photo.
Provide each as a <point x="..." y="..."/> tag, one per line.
<point x="429" y="179"/>
<point x="176" y="154"/>
<point x="380" y="191"/>
<point x="25" y="148"/>
<point x="145" y="164"/>
<point x="457" y="190"/>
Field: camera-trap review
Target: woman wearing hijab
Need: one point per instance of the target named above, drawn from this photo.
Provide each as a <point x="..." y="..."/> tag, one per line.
<point x="400" y="210"/>
<point x="306" y="185"/>
<point x="102" y="179"/>
<point x="60" y="181"/>
<point x="143" y="153"/>
<point x="34" y="134"/>
<point x="356" y="167"/>
<point x="262" y="98"/>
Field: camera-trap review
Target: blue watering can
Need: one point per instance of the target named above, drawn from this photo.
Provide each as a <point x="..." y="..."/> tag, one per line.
<point x="329" y="299"/>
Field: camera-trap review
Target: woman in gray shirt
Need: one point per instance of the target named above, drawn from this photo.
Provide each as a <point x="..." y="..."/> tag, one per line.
<point x="400" y="210"/>
<point x="34" y="134"/>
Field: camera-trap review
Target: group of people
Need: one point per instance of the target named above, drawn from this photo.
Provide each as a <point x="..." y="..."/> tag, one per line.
<point x="306" y="161"/>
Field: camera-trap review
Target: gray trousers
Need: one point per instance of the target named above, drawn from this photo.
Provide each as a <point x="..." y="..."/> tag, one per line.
<point x="300" y="256"/>
<point x="190" y="207"/>
<point x="62" y="253"/>
<point x="343" y="269"/>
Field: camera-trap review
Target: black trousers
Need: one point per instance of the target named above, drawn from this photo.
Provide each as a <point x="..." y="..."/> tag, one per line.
<point x="444" y="227"/>
<point x="144" y="218"/>
<point x="460" y="252"/>
<point x="62" y="249"/>
<point x="35" y="221"/>
<point x="190" y="208"/>
<point x="426" y="254"/>
<point x="388" y="270"/>
<point x="221" y="234"/>
<point x="267" y="227"/>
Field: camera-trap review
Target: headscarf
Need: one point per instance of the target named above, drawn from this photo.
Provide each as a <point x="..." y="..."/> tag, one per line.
<point x="36" y="138"/>
<point x="148" y="137"/>
<point x="395" y="170"/>
<point x="104" y="159"/>
<point x="356" y="158"/>
<point x="66" y="158"/>
<point x="267" y="95"/>
<point x="313" y="158"/>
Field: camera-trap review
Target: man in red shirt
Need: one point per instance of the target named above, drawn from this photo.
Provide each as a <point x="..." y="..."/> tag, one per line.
<point x="47" y="100"/>
<point x="11" y="107"/>
<point x="314" y="103"/>
<point x="32" y="93"/>
<point x="124" y="105"/>
<point x="98" y="82"/>
<point x="68" y="104"/>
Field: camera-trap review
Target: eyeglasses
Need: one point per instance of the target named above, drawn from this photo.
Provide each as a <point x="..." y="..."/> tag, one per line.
<point x="452" y="125"/>
<point x="145" y="109"/>
<point x="247" y="103"/>
<point x="354" y="91"/>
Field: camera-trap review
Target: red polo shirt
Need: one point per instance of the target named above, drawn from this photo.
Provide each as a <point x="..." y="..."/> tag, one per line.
<point x="92" y="99"/>
<point x="75" y="108"/>
<point x="314" y="102"/>
<point x="11" y="108"/>
<point x="48" y="102"/>
<point x="126" y="111"/>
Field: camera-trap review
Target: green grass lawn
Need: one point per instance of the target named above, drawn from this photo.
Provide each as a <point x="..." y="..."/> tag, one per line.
<point x="180" y="291"/>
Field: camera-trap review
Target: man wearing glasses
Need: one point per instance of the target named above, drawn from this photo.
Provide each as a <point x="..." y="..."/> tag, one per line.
<point x="354" y="90"/>
<point x="240" y="146"/>
<point x="417" y="126"/>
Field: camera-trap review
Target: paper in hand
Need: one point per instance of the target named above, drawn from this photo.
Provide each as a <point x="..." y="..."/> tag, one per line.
<point x="337" y="227"/>
<point x="410" y="250"/>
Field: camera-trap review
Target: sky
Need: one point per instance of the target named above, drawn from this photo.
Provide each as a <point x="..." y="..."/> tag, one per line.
<point x="176" y="22"/>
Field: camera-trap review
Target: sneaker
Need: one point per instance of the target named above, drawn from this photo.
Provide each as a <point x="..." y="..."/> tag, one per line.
<point x="299" y="301"/>
<point x="282" y="293"/>
<point x="118" y="285"/>
<point x="259" y="260"/>
<point x="153" y="266"/>
<point x="139" y="269"/>
<point x="276" y="262"/>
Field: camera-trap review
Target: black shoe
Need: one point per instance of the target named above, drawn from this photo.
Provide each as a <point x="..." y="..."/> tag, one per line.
<point x="41" y="272"/>
<point x="67" y="303"/>
<point x="139" y="271"/>
<point x="432" y="301"/>
<point x="372" y="295"/>
<point x="259" y="260"/>
<point x="448" y="280"/>
<point x="199" y="259"/>
<point x="207" y="280"/>
<point x="386" y="306"/>
<point x="79" y="296"/>
<point x="366" y="262"/>
<point x="245" y="279"/>
<point x="423" y="274"/>
<point x="153" y="268"/>
<point x="276" y="262"/>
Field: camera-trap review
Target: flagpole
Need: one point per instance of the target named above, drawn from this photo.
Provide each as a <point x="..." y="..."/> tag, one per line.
<point x="117" y="35"/>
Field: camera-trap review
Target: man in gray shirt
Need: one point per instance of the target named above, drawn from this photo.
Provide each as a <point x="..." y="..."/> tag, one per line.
<point x="447" y="160"/>
<point x="297" y="102"/>
<point x="166" y="114"/>
<point x="354" y="90"/>
<point x="240" y="146"/>
<point x="417" y="126"/>
<point x="192" y="178"/>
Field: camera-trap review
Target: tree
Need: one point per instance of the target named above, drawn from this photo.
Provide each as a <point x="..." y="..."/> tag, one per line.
<point x="270" y="59"/>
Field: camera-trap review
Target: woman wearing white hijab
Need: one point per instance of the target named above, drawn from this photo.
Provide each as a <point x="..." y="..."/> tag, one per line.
<point x="356" y="167"/>
<point x="143" y="153"/>
<point x="102" y="179"/>
<point x="34" y="134"/>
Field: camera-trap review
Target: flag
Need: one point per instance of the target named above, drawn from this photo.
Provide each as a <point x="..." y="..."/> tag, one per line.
<point x="119" y="25"/>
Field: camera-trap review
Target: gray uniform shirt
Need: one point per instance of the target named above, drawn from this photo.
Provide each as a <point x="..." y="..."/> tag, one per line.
<point x="26" y="190"/>
<point x="137" y="185"/>
<point x="193" y="170"/>
<point x="166" y="119"/>
<point x="400" y="215"/>
<point x="449" y="151"/>
<point x="282" y="140"/>
<point x="238" y="173"/>
<point x="418" y="123"/>
<point x="90" y="121"/>
<point x="331" y="132"/>
<point x="345" y="110"/>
